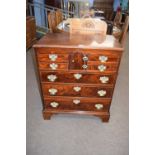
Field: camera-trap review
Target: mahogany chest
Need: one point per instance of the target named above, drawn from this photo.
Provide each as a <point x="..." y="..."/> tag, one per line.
<point x="77" y="73"/>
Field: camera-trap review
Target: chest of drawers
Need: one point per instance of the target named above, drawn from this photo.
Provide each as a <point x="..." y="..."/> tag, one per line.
<point x="77" y="76"/>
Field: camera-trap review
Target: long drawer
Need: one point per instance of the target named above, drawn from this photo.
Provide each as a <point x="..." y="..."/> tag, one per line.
<point x="80" y="104"/>
<point x="62" y="55"/>
<point x="77" y="90"/>
<point x="97" y="67"/>
<point x="87" y="78"/>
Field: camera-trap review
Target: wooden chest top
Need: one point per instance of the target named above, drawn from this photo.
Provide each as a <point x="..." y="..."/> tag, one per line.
<point x="77" y="73"/>
<point x="64" y="40"/>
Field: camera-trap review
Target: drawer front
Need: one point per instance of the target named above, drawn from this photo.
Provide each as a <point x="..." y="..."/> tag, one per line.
<point x="101" y="55"/>
<point x="102" y="67"/>
<point x="76" y="90"/>
<point x="64" y="77"/>
<point x="53" y="54"/>
<point x="53" y="57"/>
<point x="103" y="58"/>
<point x="79" y="104"/>
<point x="92" y="67"/>
<point x="53" y="66"/>
<point x="44" y="54"/>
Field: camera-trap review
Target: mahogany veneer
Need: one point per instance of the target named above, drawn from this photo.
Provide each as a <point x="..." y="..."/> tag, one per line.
<point x="68" y="77"/>
<point x="77" y="73"/>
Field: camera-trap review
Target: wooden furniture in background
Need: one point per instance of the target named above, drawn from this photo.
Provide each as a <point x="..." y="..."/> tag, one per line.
<point x="58" y="16"/>
<point x="52" y="21"/>
<point x="106" y="6"/>
<point x="115" y="22"/>
<point x="77" y="73"/>
<point x="54" y="18"/>
<point x="120" y="32"/>
<point x="124" y="31"/>
<point x="117" y="19"/>
<point x="54" y="3"/>
<point x="87" y="26"/>
<point x="30" y="31"/>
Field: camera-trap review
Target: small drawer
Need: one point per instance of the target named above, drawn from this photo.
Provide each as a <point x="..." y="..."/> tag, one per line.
<point x="80" y="104"/>
<point x="76" y="90"/>
<point x="102" y="67"/>
<point x="53" y="54"/>
<point x="53" y="57"/>
<point x="53" y="66"/>
<point x="102" y="56"/>
<point x="87" y="78"/>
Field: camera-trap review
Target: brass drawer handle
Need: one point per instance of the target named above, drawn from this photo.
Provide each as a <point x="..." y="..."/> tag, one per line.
<point x="52" y="91"/>
<point x="85" y="58"/>
<point x="103" y="58"/>
<point x="76" y="101"/>
<point x="53" y="66"/>
<point x="53" y="57"/>
<point x="78" y="76"/>
<point x="102" y="68"/>
<point x="77" y="89"/>
<point x="104" y="79"/>
<point x="52" y="77"/>
<point x="99" y="106"/>
<point x="84" y="66"/>
<point x="54" y="104"/>
<point x="102" y="92"/>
